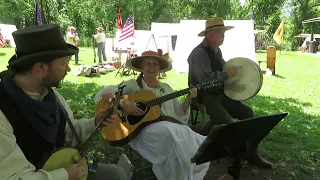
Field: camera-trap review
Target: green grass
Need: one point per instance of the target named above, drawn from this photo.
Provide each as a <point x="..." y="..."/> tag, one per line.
<point x="293" y="145"/>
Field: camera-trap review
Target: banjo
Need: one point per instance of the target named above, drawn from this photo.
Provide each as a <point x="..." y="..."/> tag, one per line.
<point x="247" y="82"/>
<point x="64" y="157"/>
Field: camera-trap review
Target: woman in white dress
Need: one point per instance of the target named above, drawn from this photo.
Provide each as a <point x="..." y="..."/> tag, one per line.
<point x="168" y="146"/>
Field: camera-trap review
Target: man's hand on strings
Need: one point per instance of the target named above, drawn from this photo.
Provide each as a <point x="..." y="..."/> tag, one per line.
<point x="235" y="86"/>
<point x="75" y="172"/>
<point x="232" y="72"/>
<point x="193" y="93"/>
<point x="100" y="114"/>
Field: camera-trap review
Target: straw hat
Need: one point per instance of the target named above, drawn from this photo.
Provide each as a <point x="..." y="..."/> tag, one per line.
<point x="100" y="28"/>
<point x="214" y="23"/>
<point x="165" y="65"/>
<point x="72" y="27"/>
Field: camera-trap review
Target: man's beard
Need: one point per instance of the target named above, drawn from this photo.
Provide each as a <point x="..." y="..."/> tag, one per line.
<point x="51" y="81"/>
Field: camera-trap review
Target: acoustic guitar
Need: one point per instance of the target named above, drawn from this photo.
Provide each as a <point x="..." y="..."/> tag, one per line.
<point x="127" y="126"/>
<point x="64" y="157"/>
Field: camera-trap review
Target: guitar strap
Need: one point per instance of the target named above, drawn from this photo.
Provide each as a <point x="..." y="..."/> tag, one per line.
<point x="139" y="81"/>
<point x="74" y="132"/>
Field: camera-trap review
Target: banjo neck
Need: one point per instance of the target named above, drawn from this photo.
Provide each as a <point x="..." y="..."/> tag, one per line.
<point x="96" y="132"/>
<point x="67" y="156"/>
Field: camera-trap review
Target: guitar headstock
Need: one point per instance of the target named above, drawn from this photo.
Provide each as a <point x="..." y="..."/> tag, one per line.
<point x="215" y="86"/>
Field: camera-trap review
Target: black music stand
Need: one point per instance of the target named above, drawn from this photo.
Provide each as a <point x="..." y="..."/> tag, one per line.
<point x="234" y="139"/>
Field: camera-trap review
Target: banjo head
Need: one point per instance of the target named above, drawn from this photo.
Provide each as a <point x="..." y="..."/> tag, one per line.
<point x="65" y="157"/>
<point x="248" y="81"/>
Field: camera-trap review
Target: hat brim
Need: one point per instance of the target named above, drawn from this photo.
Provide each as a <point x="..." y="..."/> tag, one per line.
<point x="134" y="63"/>
<point x="42" y="56"/>
<point x="226" y="28"/>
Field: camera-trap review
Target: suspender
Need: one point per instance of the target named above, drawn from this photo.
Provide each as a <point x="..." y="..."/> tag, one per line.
<point x="74" y="132"/>
<point x="139" y="81"/>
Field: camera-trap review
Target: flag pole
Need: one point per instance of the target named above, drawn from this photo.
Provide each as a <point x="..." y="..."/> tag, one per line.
<point x="132" y="13"/>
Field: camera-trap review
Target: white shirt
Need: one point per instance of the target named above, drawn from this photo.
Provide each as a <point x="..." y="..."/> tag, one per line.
<point x="168" y="146"/>
<point x="13" y="163"/>
<point x="100" y="37"/>
<point x="70" y="37"/>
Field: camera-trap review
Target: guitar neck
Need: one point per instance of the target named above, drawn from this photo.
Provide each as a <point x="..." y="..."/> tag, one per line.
<point x="210" y="86"/>
<point x="167" y="97"/>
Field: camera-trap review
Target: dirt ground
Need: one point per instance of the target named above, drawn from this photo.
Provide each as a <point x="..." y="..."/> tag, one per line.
<point x="249" y="172"/>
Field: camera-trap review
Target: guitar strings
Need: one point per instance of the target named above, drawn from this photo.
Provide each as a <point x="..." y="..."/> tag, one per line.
<point x="208" y="85"/>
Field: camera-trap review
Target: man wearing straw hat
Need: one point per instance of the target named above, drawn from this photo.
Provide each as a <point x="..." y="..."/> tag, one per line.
<point x="73" y="39"/>
<point x="205" y="64"/>
<point x="100" y="38"/>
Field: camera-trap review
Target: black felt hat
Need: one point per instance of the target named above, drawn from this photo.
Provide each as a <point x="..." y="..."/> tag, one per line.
<point x="39" y="44"/>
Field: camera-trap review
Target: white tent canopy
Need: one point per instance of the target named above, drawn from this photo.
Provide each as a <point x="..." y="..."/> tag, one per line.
<point x="7" y="30"/>
<point x="165" y="29"/>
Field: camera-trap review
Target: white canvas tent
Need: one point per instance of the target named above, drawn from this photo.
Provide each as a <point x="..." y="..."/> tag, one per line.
<point x="162" y="33"/>
<point x="6" y="30"/>
<point x="238" y="42"/>
<point x="141" y="40"/>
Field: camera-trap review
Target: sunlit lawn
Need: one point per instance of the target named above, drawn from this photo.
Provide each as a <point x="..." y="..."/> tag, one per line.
<point x="292" y="145"/>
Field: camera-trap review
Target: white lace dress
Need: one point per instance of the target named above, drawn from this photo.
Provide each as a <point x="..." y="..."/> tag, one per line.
<point x="168" y="146"/>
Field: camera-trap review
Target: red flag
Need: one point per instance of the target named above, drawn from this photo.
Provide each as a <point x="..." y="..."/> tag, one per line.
<point x="119" y="20"/>
<point x="1" y="40"/>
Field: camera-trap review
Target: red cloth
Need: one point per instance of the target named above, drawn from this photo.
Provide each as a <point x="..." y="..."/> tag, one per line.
<point x="1" y="40"/>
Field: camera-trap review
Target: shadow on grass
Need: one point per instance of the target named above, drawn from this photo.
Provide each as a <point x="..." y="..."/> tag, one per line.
<point x="293" y="144"/>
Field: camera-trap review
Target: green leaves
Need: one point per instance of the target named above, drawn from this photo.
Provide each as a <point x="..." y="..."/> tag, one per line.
<point x="89" y="14"/>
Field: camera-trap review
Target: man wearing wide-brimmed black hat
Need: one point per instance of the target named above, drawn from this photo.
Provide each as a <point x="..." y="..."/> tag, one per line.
<point x="34" y="117"/>
<point x="205" y="64"/>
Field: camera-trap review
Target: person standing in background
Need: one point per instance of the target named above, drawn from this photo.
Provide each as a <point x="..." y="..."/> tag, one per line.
<point x="73" y="39"/>
<point x="100" y="38"/>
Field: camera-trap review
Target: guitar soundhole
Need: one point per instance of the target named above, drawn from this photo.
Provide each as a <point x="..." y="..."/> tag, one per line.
<point x="132" y="120"/>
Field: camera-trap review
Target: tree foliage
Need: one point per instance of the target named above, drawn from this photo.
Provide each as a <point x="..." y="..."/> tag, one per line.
<point x="89" y="14"/>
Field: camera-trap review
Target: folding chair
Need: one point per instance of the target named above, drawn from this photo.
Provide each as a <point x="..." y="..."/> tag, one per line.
<point x="140" y="164"/>
<point x="195" y="106"/>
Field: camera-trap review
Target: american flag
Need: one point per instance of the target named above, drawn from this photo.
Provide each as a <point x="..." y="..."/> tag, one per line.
<point x="128" y="29"/>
